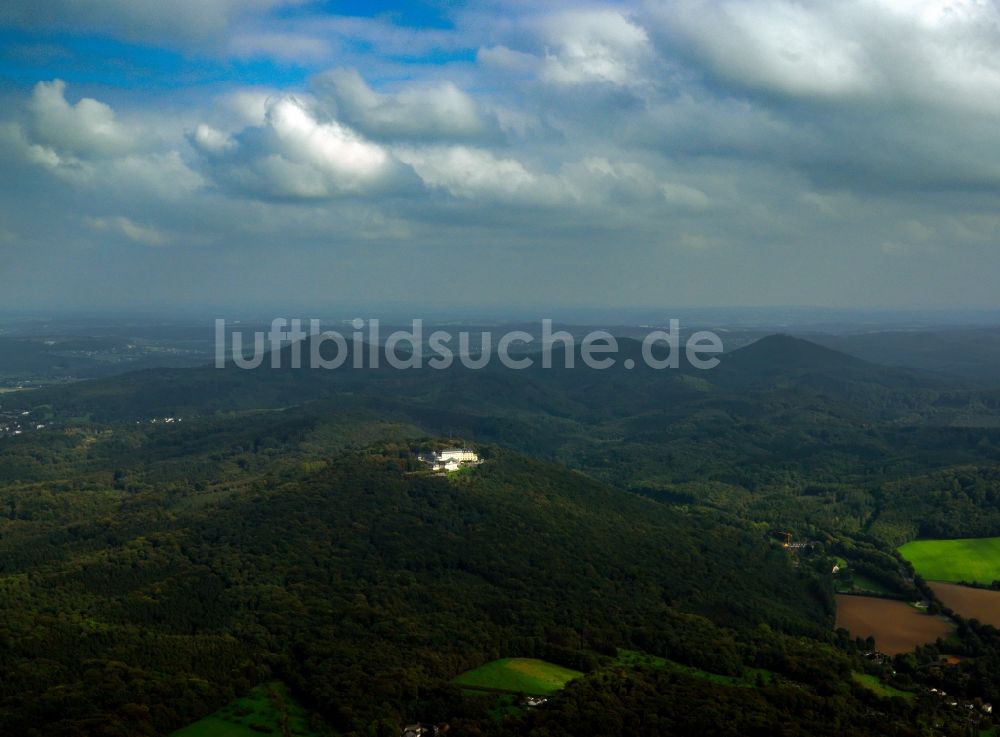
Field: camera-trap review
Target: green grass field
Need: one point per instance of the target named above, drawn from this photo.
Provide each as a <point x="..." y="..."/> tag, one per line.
<point x="750" y="678"/>
<point x="520" y="675"/>
<point x="863" y="583"/>
<point x="259" y="713"/>
<point x="970" y="559"/>
<point x="873" y="684"/>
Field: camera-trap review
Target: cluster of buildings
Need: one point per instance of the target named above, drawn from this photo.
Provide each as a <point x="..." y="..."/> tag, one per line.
<point x="17" y="423"/>
<point x="985" y="708"/>
<point x="424" y="730"/>
<point x="451" y="459"/>
<point x="881" y="658"/>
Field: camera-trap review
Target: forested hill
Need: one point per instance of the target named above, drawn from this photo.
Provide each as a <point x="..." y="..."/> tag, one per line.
<point x="280" y="526"/>
<point x="782" y="352"/>
<point x="363" y="579"/>
<point x="771" y="362"/>
<point x="781" y="408"/>
<point x="793" y="362"/>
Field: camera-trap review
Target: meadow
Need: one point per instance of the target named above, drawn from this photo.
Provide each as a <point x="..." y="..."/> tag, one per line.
<point x="975" y="559"/>
<point x="519" y="675"/>
<point x="875" y="685"/>
<point x="896" y="626"/>
<point x="750" y="678"/>
<point x="851" y="582"/>
<point x="267" y="710"/>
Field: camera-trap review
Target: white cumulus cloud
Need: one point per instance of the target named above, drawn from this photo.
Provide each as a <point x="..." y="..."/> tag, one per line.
<point x="426" y="111"/>
<point x="474" y="173"/>
<point x="86" y="145"/>
<point x="294" y="154"/>
<point x="940" y="52"/>
<point x="87" y="129"/>
<point x="592" y="46"/>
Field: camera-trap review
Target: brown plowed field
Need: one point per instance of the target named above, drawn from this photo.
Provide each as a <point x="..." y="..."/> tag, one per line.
<point x="896" y="626"/>
<point x="981" y="604"/>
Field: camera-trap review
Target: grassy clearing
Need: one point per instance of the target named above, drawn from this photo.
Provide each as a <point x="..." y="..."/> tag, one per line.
<point x="267" y="710"/>
<point x="750" y="678"/>
<point x="518" y="675"/>
<point x="969" y="559"/>
<point x="863" y="583"/>
<point x="856" y="582"/>
<point x="875" y="685"/>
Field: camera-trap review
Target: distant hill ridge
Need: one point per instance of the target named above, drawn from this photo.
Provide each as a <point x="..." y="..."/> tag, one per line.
<point x="784" y="351"/>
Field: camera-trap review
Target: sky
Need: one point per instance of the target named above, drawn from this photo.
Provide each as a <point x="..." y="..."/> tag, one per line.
<point x="296" y="154"/>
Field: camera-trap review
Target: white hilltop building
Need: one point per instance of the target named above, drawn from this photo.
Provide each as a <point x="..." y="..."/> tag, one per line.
<point x="451" y="459"/>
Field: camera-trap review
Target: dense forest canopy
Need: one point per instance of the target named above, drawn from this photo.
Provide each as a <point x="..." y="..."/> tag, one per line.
<point x="282" y="527"/>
